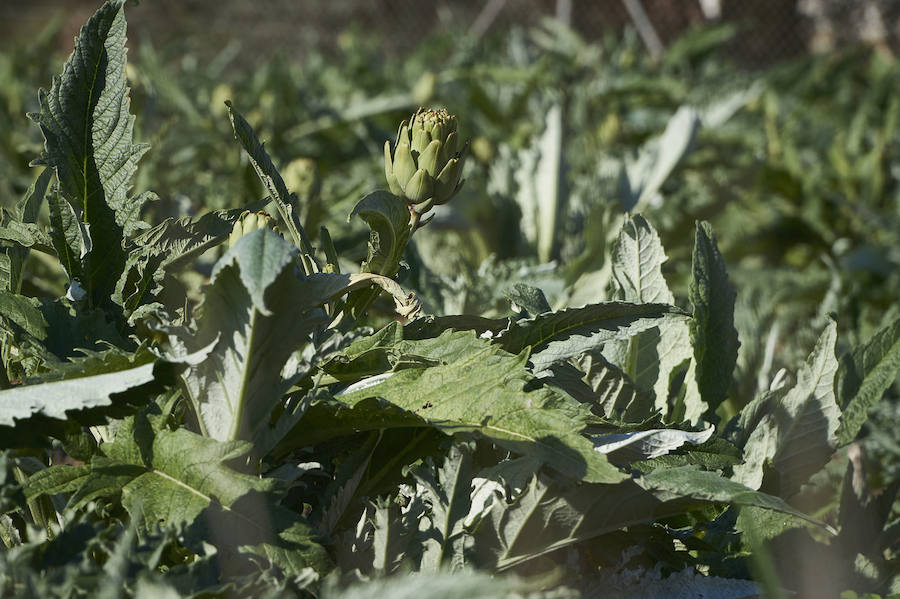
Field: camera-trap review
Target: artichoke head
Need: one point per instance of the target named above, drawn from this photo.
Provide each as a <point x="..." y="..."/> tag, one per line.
<point x="425" y="166"/>
<point x="248" y="222"/>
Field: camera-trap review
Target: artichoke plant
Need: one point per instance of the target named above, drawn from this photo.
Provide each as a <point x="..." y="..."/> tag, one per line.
<point x="425" y="167"/>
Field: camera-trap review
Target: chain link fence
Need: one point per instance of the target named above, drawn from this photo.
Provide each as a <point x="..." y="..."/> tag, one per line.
<point x="767" y="30"/>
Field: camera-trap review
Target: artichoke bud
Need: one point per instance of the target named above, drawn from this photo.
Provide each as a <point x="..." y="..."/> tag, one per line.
<point x="423" y="90"/>
<point x="247" y="223"/>
<point x="301" y="176"/>
<point x="425" y="166"/>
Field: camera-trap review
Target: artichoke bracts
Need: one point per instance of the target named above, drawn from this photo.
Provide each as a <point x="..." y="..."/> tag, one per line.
<point x="248" y="222"/>
<point x="426" y="165"/>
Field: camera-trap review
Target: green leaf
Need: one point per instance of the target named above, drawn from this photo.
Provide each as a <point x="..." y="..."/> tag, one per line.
<point x="270" y="178"/>
<point x="649" y="357"/>
<point x="24" y="234"/>
<point x="480" y="388"/>
<point x="637" y="259"/>
<point x="529" y="298"/>
<point x="388" y="220"/>
<point x="795" y="437"/>
<point x="88" y="132"/>
<point x="863" y="377"/>
<point x="642" y="177"/>
<point x="547" y="516"/>
<point x="447" y="492"/>
<point x="55" y="479"/>
<point x="31" y="413"/>
<point x="182" y="240"/>
<point x="22" y="312"/>
<point x="624" y="448"/>
<point x="167" y="248"/>
<point x="180" y="479"/>
<point x="29" y="206"/>
<point x="69" y="237"/>
<point x="256" y="312"/>
<point x="602" y="386"/>
<point x="558" y="336"/>
<point x="713" y="334"/>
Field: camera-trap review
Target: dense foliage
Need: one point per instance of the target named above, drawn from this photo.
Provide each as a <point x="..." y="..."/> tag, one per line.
<point x="636" y="354"/>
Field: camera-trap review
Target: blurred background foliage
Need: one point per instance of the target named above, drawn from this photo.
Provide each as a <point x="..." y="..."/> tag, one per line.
<point x="792" y="155"/>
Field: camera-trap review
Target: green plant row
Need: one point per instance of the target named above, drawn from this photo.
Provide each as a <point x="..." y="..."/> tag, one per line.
<point x="268" y="440"/>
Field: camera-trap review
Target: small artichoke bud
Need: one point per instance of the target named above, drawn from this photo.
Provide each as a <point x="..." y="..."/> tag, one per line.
<point x="423" y="90"/>
<point x="219" y="94"/>
<point x="301" y="176"/>
<point x="248" y="222"/>
<point x="425" y="165"/>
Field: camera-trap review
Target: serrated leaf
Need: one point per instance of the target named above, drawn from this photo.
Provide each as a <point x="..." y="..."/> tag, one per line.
<point x="26" y="235"/>
<point x="388" y="218"/>
<point x="547" y="516"/>
<point x="568" y="333"/>
<point x="53" y="480"/>
<point x="22" y="312"/>
<point x="649" y="357"/>
<point x="797" y="435"/>
<point x="863" y="377"/>
<point x="29" y="413"/>
<point x="637" y="259"/>
<point x="447" y="491"/>
<point x="256" y="312"/>
<point x="481" y="388"/>
<point x="180" y="479"/>
<point x="393" y="534"/>
<point x="87" y="129"/>
<point x="167" y="248"/>
<point x="184" y="239"/>
<point x="341" y="490"/>
<point x="270" y="178"/>
<point x="713" y="335"/>
<point x="602" y="385"/>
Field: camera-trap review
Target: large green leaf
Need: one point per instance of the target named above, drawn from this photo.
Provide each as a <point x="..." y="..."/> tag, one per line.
<point x="447" y="492"/>
<point x="796" y="434"/>
<point x="181" y="479"/>
<point x="637" y="259"/>
<point x="863" y="377"/>
<point x="480" y="388"/>
<point x="558" y="336"/>
<point x="649" y="357"/>
<point x="90" y="393"/>
<point x="712" y="327"/>
<point x="547" y="516"/>
<point x="87" y="129"/>
<point x="165" y="249"/>
<point x="257" y="311"/>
